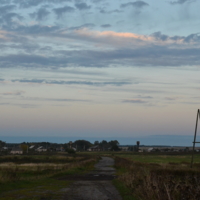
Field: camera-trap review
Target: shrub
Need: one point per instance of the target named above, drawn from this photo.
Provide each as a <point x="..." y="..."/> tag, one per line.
<point x="71" y="151"/>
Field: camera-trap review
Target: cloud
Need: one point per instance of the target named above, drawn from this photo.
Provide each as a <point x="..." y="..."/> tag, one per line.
<point x="3" y="35"/>
<point x="108" y="36"/>
<point x="33" y="3"/>
<point x="181" y="2"/>
<point x="151" y="55"/>
<point x="5" y="9"/>
<point x="59" y="100"/>
<point x="82" y="6"/>
<point x="62" y="10"/>
<point x="136" y="4"/>
<point x="14" y="93"/>
<point x="28" y="3"/>
<point x="88" y="83"/>
<point x="106" y="48"/>
<point x="8" y="19"/>
<point x="98" y="1"/>
<point x="87" y="25"/>
<point x="105" y="25"/>
<point x="170" y="98"/>
<point x="195" y="37"/>
<point x="103" y="11"/>
<point x="127" y="40"/>
<point x="41" y="14"/>
<point x="136" y="101"/>
<point x="20" y="105"/>
<point x="5" y="1"/>
<point x="17" y="93"/>
<point x="34" y="29"/>
<point x="145" y="97"/>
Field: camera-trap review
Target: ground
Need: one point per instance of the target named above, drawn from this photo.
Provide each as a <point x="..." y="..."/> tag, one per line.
<point x="95" y="185"/>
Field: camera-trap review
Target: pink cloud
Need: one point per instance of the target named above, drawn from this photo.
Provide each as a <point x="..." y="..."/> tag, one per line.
<point x="3" y="35"/>
<point x="120" y="38"/>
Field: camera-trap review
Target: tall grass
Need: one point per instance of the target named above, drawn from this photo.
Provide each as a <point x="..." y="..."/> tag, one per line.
<point x="14" y="172"/>
<point x="159" y="182"/>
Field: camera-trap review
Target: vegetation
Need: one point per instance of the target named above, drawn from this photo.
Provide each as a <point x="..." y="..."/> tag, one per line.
<point x="82" y="145"/>
<point x="32" y="177"/>
<point x="2" y="144"/>
<point x="160" y="158"/>
<point x="71" y="151"/>
<point x="159" y="177"/>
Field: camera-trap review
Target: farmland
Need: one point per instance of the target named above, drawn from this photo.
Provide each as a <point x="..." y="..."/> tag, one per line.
<point x="159" y="176"/>
<point x="37" y="177"/>
<point x="140" y="176"/>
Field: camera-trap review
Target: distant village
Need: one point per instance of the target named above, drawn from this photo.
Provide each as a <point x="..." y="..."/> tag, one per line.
<point x="83" y="145"/>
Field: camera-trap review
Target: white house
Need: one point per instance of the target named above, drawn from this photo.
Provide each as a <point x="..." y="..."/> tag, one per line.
<point x="16" y="150"/>
<point x="40" y="149"/>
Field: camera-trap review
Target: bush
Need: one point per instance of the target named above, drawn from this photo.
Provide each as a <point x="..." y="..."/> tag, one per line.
<point x="71" y="151"/>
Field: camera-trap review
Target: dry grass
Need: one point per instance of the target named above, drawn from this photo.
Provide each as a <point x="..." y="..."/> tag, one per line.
<point x="30" y="171"/>
<point x="159" y="182"/>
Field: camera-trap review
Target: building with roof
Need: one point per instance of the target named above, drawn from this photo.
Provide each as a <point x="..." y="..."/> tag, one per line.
<point x="16" y="150"/>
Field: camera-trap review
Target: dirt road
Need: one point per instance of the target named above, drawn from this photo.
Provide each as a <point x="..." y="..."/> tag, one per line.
<point x="96" y="185"/>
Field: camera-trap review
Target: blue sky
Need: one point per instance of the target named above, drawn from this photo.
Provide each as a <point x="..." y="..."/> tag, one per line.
<point x="99" y="68"/>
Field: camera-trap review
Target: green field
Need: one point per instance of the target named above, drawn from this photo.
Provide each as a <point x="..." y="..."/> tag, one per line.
<point x="38" y="177"/>
<point x="161" y="159"/>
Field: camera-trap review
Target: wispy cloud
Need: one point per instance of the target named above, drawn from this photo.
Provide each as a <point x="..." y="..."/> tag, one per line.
<point x="136" y="4"/>
<point x="103" y="11"/>
<point x="82" y="6"/>
<point x="181" y="2"/>
<point x="136" y="101"/>
<point x="62" y="10"/>
<point x="57" y="99"/>
<point x="105" y="25"/>
<point x="40" y="14"/>
<point x="89" y="83"/>
<point x="17" y="93"/>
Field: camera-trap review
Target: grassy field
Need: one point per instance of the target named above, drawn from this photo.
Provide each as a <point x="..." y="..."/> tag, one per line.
<point x="161" y="158"/>
<point x="158" y="176"/>
<point x="37" y="177"/>
<point x="141" y="176"/>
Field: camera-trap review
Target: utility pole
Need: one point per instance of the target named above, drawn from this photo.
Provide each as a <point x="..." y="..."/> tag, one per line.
<point x="195" y="135"/>
<point x="138" y="145"/>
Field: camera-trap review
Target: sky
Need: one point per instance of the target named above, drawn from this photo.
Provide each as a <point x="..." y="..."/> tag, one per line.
<point x="100" y="69"/>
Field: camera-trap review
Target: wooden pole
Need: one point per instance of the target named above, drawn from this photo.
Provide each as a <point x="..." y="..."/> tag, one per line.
<point x="195" y="134"/>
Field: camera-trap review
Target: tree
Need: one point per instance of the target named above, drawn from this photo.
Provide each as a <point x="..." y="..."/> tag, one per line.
<point x="104" y="145"/>
<point x="82" y="145"/>
<point x="2" y="144"/>
<point x="24" y="148"/>
<point x="114" y="145"/>
<point x="113" y="142"/>
<point x="115" y="148"/>
<point x="96" y="143"/>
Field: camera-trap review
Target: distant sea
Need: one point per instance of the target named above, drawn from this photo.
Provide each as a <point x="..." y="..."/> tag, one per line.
<point x="171" y="140"/>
